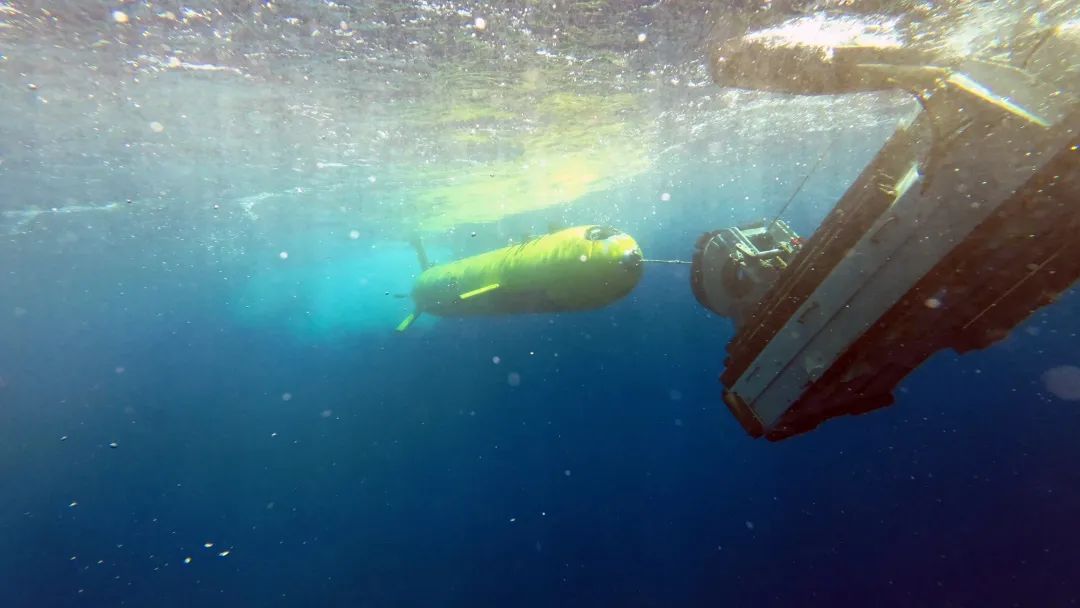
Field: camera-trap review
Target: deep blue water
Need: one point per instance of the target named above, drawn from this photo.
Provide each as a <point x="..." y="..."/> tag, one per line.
<point x="204" y="216"/>
<point x="408" y="470"/>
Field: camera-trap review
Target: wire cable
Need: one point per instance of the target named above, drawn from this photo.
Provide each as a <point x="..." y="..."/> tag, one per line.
<point x="667" y="262"/>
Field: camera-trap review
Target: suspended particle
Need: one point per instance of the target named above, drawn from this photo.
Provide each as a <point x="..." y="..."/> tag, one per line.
<point x="283" y="255"/>
<point x="480" y="23"/>
<point x="354" y="234"/>
<point x="665" y="197"/>
<point x="157" y="127"/>
<point x="642" y="37"/>
<point x="120" y="17"/>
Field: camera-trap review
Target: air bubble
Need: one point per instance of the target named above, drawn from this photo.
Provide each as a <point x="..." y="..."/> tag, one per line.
<point x="1063" y="382"/>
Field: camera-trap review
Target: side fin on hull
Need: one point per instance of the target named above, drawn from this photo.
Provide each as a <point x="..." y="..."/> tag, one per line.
<point x="476" y="292"/>
<point x="408" y="321"/>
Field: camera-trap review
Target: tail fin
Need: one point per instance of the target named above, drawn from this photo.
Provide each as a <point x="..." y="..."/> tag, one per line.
<point x="421" y="254"/>
<point x="408" y="321"/>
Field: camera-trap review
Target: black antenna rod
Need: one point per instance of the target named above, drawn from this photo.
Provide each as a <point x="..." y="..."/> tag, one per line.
<point x="805" y="178"/>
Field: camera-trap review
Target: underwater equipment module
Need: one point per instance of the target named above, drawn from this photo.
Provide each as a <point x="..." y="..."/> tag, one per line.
<point x="578" y="268"/>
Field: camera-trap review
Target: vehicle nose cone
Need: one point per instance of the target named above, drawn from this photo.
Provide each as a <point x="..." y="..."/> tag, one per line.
<point x="631" y="259"/>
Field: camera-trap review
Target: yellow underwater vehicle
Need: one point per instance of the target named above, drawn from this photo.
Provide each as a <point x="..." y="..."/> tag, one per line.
<point x="578" y="268"/>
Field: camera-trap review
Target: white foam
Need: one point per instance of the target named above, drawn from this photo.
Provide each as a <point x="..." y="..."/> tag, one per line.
<point x="821" y="30"/>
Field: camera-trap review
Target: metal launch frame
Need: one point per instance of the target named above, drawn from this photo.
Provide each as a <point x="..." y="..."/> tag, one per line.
<point x="966" y="222"/>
